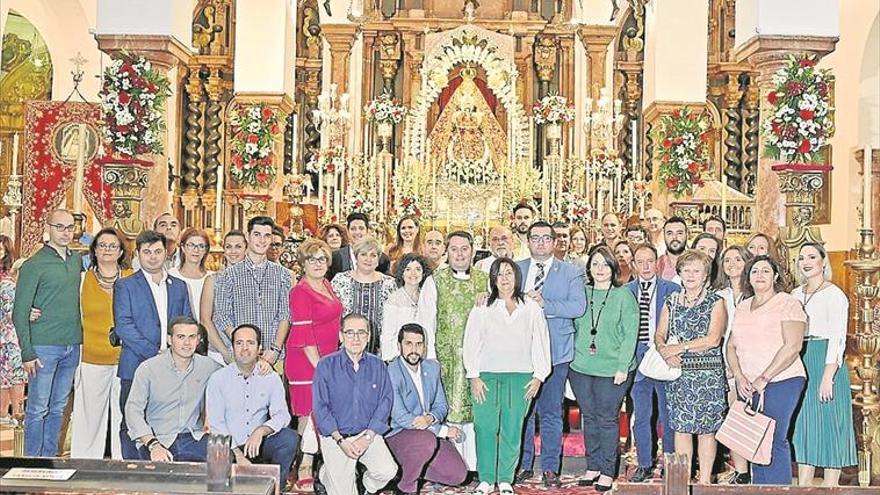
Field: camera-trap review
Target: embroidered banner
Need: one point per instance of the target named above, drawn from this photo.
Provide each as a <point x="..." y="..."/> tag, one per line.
<point x="56" y="136"/>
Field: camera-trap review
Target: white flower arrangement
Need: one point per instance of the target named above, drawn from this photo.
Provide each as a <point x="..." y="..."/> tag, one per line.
<point x="573" y="208"/>
<point x="552" y="109"/>
<point x="359" y="203"/>
<point x="385" y="110"/>
<point x="326" y="160"/>
<point x="133" y="96"/>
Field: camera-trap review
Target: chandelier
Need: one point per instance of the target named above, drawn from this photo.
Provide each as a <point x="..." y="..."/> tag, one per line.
<point x="603" y="121"/>
<point x="332" y="118"/>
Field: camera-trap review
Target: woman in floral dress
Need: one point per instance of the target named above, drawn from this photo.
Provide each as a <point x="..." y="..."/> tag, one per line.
<point x="12" y="375"/>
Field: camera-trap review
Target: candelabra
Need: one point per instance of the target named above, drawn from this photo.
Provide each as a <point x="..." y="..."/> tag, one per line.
<point x="603" y="122"/>
<point x="332" y="117"/>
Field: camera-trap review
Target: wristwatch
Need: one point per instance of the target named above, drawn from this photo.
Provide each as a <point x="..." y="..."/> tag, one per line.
<point x="275" y="348"/>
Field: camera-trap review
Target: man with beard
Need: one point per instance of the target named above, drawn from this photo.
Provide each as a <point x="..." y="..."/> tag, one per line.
<point x="419" y="439"/>
<point x="277" y="245"/>
<point x="523" y="216"/>
<point x="675" y="233"/>
<point x="500" y="239"/>
<point x="433" y="248"/>
<point x="654" y="225"/>
<point x="343" y="258"/>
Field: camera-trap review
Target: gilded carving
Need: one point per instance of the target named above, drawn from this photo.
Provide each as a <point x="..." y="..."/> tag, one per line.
<point x="545" y="57"/>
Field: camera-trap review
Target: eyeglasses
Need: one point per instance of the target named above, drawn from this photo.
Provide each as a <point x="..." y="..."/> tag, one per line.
<point x="316" y="260"/>
<point x="63" y="228"/>
<point x="111" y="246"/>
<point x="355" y="333"/>
<point x="192" y="245"/>
<point x="541" y="238"/>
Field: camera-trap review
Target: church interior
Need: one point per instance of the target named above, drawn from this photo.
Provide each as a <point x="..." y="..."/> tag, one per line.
<point x="455" y="111"/>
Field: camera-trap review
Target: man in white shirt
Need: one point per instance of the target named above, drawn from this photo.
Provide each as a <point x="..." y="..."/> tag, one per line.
<point x="420" y="440"/>
<point x="654" y="220"/>
<point x="434" y="248"/>
<point x="650" y="292"/>
<point x="500" y="244"/>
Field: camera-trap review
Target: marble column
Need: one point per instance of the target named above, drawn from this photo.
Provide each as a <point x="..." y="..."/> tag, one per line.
<point x="340" y="38"/>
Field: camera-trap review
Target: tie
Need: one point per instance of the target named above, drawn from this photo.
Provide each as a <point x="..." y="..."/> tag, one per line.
<point x="644" y="312"/>
<point x="539" y="277"/>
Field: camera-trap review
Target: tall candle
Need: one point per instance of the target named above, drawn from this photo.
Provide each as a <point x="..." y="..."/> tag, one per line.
<point x="320" y="190"/>
<point x="867" y="196"/>
<point x="79" y="179"/>
<point x="723" y="198"/>
<point x="15" y="154"/>
<point x="218" y="205"/>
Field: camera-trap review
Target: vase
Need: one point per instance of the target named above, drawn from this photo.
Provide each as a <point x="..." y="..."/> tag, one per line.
<point x="385" y="130"/>
<point x="554" y="131"/>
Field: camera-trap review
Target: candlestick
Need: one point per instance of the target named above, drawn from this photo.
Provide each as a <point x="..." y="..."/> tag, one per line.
<point x="218" y="205"/>
<point x="636" y="166"/>
<point x="631" y="202"/>
<point x="80" y="169"/>
<point x="321" y="190"/>
<point x="867" y="196"/>
<point x="723" y="198"/>
<point x="15" y="154"/>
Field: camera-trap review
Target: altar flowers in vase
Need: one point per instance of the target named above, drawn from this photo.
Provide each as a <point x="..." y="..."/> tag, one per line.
<point x="254" y="132"/>
<point x="683" y="152"/>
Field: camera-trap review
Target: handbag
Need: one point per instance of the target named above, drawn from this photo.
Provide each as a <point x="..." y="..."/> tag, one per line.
<point x="748" y="432"/>
<point x="653" y="365"/>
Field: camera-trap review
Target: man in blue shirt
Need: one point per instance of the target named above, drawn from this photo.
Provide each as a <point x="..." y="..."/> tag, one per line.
<point x="251" y="407"/>
<point x="351" y="403"/>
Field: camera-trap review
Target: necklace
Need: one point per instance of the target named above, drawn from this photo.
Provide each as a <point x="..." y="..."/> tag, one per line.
<point x="810" y="298"/>
<point x="106" y="282"/>
<point x="688" y="302"/>
<point x="756" y="304"/>
<point x="594" y="323"/>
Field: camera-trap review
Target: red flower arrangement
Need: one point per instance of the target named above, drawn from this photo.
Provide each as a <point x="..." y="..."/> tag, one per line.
<point x="683" y="151"/>
<point x="254" y="130"/>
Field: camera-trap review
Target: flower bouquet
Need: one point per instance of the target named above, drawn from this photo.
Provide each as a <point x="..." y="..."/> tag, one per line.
<point x="254" y="130"/>
<point x="326" y="160"/>
<point x="552" y="109"/>
<point x="133" y="96"/>
<point x="385" y="109"/>
<point x="408" y="205"/>
<point x="573" y="208"/>
<point x="683" y="152"/>
<point x="801" y="122"/>
<point x="359" y="203"/>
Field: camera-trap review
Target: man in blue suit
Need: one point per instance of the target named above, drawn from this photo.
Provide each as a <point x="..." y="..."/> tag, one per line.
<point x="651" y="292"/>
<point x="419" y="440"/>
<point x="558" y="287"/>
<point x="143" y="304"/>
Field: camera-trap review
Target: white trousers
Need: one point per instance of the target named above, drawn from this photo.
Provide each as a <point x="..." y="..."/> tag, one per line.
<point x="338" y="472"/>
<point x="95" y="397"/>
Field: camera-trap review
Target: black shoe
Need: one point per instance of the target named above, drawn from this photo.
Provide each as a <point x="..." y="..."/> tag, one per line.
<point x="319" y="487"/>
<point x="740" y="479"/>
<point x="601" y="488"/>
<point x="587" y="481"/>
<point x="642" y="474"/>
<point x="523" y="476"/>
<point x="551" y="480"/>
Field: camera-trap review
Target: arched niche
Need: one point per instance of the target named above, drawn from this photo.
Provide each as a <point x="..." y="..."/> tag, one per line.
<point x="25" y="69"/>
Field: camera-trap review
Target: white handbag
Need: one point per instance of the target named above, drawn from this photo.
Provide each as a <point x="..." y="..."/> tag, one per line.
<point x="653" y="365"/>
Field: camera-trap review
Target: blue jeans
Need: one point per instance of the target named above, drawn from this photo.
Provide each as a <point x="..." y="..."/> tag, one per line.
<point x="642" y="394"/>
<point x="780" y="400"/>
<point x="129" y="449"/>
<point x="279" y="448"/>
<point x="48" y="392"/>
<point x="184" y="449"/>
<point x="600" y="399"/>
<point x="548" y="406"/>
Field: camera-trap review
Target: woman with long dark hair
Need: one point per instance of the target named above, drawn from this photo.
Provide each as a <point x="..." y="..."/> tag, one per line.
<point x="402" y="305"/>
<point x="408" y="239"/>
<point x="604" y="357"/>
<point x="506" y="356"/>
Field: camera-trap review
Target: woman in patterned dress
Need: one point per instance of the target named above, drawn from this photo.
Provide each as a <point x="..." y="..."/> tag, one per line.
<point x="697" y="400"/>
<point x="363" y="290"/>
<point x="12" y="375"/>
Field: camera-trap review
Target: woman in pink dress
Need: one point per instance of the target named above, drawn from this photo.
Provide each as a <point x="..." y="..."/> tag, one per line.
<point x="315" y="316"/>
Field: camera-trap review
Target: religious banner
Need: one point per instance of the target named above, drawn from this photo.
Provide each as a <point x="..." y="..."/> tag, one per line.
<point x="62" y="141"/>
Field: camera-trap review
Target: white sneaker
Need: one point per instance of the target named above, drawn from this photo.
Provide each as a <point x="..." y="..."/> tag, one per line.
<point x="484" y="488"/>
<point x="505" y="489"/>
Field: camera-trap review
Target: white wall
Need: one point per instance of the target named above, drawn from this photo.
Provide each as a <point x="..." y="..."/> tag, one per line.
<point x="162" y="17"/>
<point x="264" y="50"/>
<point x="676" y="51"/>
<point x="789" y="17"/>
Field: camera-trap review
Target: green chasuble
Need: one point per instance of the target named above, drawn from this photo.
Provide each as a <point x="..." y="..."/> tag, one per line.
<point x="455" y="299"/>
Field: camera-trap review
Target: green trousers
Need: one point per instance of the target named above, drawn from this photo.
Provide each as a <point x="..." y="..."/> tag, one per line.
<point x="498" y="423"/>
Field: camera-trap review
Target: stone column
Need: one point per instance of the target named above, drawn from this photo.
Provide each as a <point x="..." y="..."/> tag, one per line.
<point x="768" y="54"/>
<point x="340" y="37"/>
<point x="596" y="40"/>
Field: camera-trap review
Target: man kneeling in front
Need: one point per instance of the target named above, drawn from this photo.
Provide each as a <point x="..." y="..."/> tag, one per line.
<point x="164" y="408"/>
<point x="251" y="407"/>
<point x="351" y="403"/>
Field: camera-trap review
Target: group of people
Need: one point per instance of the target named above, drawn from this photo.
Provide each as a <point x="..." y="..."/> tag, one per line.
<point x="420" y="363"/>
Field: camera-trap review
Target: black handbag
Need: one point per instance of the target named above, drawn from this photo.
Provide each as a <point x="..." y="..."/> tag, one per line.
<point x="115" y="341"/>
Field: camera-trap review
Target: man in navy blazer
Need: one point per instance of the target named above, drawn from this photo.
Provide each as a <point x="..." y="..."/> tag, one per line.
<point x="558" y="287"/>
<point x="651" y="293"/>
<point x="419" y="440"/>
<point x="143" y="304"/>
<point x="343" y="258"/>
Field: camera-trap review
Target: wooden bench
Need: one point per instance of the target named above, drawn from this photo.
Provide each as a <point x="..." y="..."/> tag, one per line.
<point x="677" y="482"/>
<point x="136" y="477"/>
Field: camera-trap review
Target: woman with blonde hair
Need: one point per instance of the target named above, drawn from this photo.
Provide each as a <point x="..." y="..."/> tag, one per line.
<point x="315" y="318"/>
<point x="579" y="248"/>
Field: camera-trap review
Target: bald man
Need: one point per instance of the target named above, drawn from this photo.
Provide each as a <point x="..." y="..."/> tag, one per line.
<point x="500" y="244"/>
<point x="434" y="247"/>
<point x="610" y="230"/>
<point x="50" y="344"/>
<point x="653" y="223"/>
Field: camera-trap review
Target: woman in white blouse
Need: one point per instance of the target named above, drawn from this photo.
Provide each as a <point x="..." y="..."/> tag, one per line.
<point x="823" y="431"/>
<point x="402" y="305"/>
<point x="194" y="247"/>
<point x="506" y="356"/>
